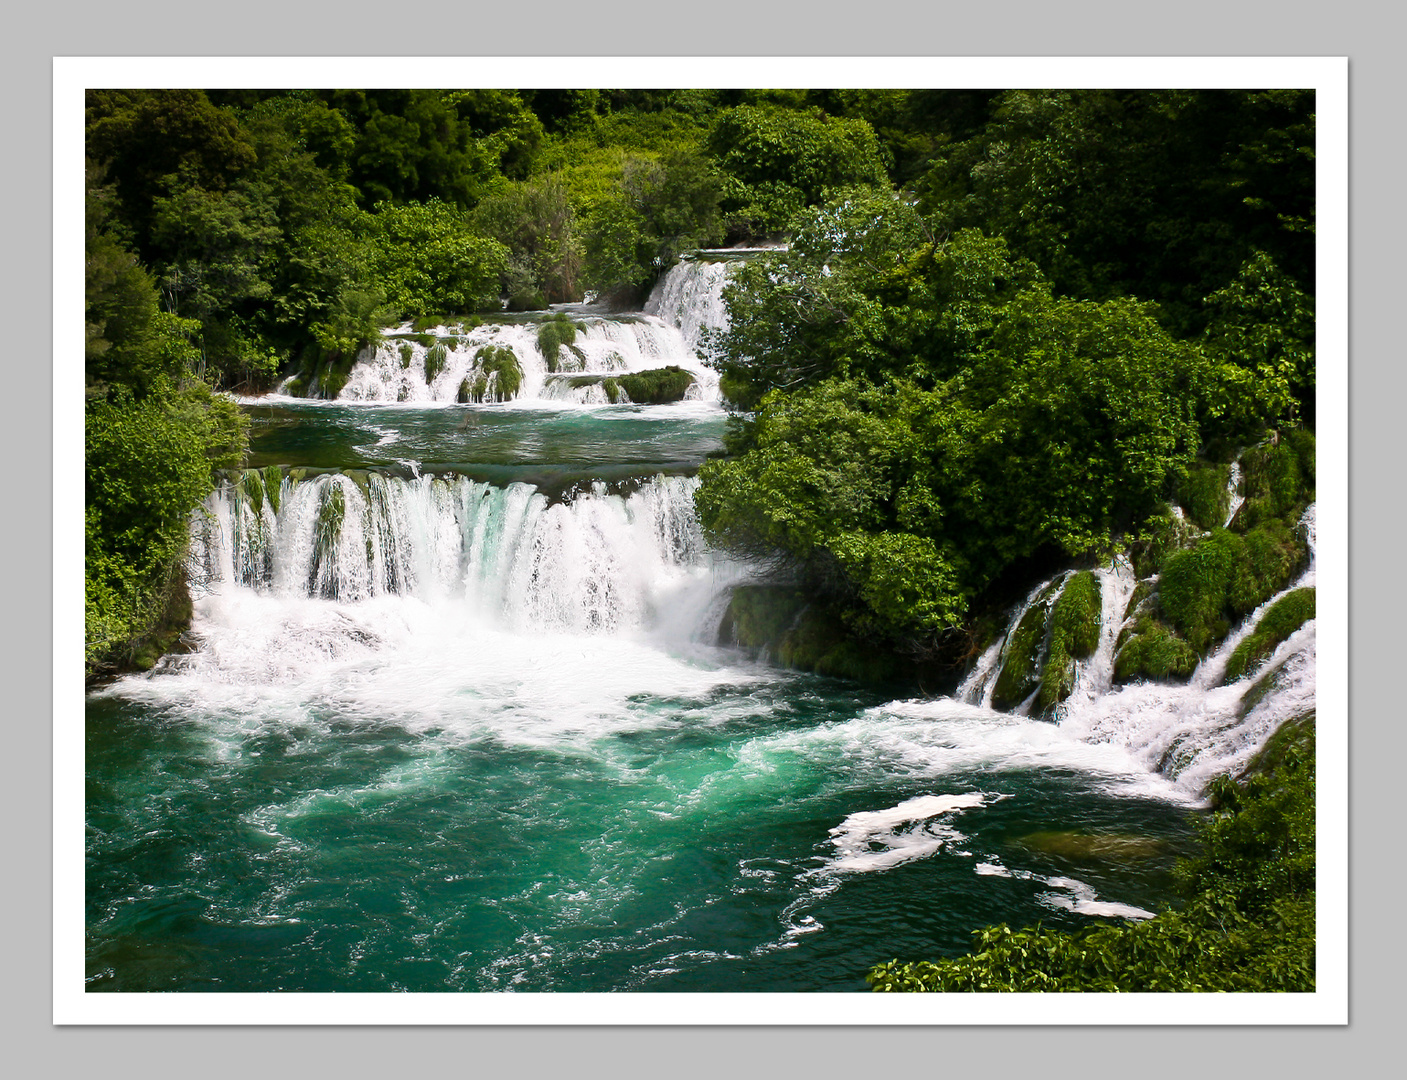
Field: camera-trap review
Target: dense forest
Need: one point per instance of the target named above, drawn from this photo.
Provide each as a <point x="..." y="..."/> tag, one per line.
<point x="1007" y="331"/>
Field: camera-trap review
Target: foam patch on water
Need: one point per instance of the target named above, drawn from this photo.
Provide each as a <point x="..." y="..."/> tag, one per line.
<point x="924" y="739"/>
<point x="1072" y="895"/>
<point x="873" y="840"/>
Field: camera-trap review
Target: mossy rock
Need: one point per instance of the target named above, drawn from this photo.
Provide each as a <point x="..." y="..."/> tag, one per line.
<point x="1274" y="554"/>
<point x="796" y="633"/>
<point x="1152" y="650"/>
<point x="758" y="616"/>
<point x="1074" y="635"/>
<point x="436" y="357"/>
<point x="499" y="374"/>
<point x="1204" y="590"/>
<point x="1020" y="673"/>
<point x="273" y="486"/>
<point x="1101" y="847"/>
<point x="817" y="641"/>
<point x="1281" y="620"/>
<point x="1142" y="596"/>
<point x="407" y="352"/>
<point x="1279" y="479"/>
<point x="1160" y="535"/>
<point x="552" y="334"/>
<point x="1292" y="739"/>
<point x="1194" y="588"/>
<point x="1204" y="494"/>
<point x="657" y="386"/>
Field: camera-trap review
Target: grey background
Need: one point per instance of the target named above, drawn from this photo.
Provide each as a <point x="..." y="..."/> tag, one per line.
<point x="1363" y="30"/>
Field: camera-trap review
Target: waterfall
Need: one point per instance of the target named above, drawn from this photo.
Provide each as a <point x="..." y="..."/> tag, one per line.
<point x="600" y="563"/>
<point x="1205" y="728"/>
<point x="444" y="365"/>
<point x="690" y="297"/>
<point x="1192" y="732"/>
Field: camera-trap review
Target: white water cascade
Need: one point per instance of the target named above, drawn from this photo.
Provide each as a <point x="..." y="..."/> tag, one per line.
<point x="1189" y="733"/>
<point x="690" y="297"/>
<point x="686" y="301"/>
<point x="600" y="563"/>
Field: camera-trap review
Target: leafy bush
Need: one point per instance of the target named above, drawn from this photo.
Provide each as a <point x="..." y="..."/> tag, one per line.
<point x="435" y="359"/>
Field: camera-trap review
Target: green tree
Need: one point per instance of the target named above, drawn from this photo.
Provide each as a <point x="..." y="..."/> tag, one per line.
<point x="658" y="209"/>
<point x="431" y="261"/>
<point x="777" y="161"/>
<point x="536" y="221"/>
<point x="146" y="136"/>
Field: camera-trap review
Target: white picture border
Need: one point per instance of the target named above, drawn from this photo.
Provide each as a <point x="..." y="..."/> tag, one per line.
<point x="1328" y="76"/>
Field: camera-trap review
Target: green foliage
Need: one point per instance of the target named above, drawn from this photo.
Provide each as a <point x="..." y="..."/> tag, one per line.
<point x="1281" y="620"/>
<point x="537" y="222"/>
<point x="1195" y="585"/>
<point x="777" y="161"/>
<point x="1066" y="425"/>
<point x="1261" y="333"/>
<point x="1154" y="651"/>
<point x="1165" y="195"/>
<point x="658" y="208"/>
<point x="435" y="359"/>
<point x="417" y="145"/>
<point x="1279" y="479"/>
<point x="149" y="463"/>
<point x="429" y="259"/>
<point x="1157" y="536"/>
<point x="498" y="377"/>
<point x="1248" y="925"/>
<point x="1226" y="576"/>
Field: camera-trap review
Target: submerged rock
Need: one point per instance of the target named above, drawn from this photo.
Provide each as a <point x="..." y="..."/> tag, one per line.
<point x="1094" y="846"/>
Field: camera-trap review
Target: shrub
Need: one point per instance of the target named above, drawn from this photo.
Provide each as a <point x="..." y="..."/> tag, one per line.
<point x="435" y="359"/>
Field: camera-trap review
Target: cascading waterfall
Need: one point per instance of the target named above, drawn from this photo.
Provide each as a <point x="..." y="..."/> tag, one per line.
<point x="1207" y="728"/>
<point x="1192" y="732"/>
<point x="685" y="302"/>
<point x="597" y="563"/>
<point x="690" y="296"/>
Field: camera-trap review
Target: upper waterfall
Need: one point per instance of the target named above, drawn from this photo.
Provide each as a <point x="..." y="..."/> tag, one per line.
<point x="690" y="298"/>
<point x="570" y="356"/>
